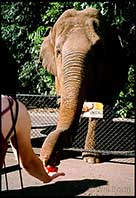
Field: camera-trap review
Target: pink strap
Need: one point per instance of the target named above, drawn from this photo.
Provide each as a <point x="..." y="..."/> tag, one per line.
<point x="7" y="109"/>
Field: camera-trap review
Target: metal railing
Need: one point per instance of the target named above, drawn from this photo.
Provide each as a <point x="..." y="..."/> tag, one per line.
<point x="114" y="136"/>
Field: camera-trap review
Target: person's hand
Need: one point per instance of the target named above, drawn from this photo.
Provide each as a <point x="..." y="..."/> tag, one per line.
<point x="52" y="172"/>
<point x="55" y="175"/>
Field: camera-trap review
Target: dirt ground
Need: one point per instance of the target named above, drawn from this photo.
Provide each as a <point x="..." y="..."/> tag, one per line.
<point x="111" y="178"/>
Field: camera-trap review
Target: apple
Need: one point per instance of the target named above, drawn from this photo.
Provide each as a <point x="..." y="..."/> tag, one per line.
<point x="51" y="168"/>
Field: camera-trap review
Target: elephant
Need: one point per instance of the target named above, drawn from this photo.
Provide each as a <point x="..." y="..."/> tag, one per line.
<point x="85" y="55"/>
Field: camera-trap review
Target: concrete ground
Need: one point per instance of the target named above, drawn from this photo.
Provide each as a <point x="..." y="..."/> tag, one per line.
<point x="112" y="178"/>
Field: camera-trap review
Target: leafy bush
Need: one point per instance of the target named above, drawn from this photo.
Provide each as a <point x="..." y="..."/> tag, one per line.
<point x="124" y="106"/>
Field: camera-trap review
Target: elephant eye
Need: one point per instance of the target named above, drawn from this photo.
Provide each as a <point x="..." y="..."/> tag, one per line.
<point x="58" y="52"/>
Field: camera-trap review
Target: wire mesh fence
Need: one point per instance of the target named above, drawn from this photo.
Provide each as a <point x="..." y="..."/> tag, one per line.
<point x="112" y="134"/>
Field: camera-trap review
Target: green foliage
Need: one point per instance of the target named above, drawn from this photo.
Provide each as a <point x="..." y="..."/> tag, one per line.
<point x="125" y="103"/>
<point x="23" y="31"/>
<point x="32" y="71"/>
<point x="23" y="27"/>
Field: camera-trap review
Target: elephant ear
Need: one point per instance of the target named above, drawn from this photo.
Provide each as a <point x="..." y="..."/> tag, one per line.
<point x="47" y="55"/>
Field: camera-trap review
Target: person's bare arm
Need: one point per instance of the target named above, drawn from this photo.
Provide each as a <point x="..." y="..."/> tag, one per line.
<point x="32" y="164"/>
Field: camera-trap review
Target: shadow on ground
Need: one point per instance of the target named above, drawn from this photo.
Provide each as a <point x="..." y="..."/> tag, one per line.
<point x="60" y="188"/>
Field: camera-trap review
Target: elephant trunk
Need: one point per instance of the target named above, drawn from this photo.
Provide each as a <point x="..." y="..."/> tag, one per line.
<point x="72" y="98"/>
<point x="73" y="95"/>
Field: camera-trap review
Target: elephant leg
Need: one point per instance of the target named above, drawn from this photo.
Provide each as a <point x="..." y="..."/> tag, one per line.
<point x="90" y="143"/>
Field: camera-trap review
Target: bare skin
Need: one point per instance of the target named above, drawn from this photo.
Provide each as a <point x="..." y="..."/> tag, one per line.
<point x="30" y="162"/>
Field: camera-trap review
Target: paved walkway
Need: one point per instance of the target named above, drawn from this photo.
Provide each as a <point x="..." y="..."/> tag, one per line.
<point x="113" y="178"/>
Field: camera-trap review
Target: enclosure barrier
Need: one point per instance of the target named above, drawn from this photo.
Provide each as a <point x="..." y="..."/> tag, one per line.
<point x="114" y="136"/>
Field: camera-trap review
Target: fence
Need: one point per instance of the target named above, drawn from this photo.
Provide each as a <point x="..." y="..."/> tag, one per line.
<point x="113" y="135"/>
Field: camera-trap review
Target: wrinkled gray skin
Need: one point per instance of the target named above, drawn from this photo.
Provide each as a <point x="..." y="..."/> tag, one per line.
<point x="86" y="59"/>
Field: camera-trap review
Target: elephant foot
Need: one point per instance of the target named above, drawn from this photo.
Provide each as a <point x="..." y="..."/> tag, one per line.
<point x="92" y="159"/>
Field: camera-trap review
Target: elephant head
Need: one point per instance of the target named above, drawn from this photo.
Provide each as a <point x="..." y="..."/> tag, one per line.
<point x="85" y="56"/>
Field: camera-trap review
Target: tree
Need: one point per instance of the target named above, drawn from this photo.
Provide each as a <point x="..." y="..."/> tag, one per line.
<point x="24" y="25"/>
